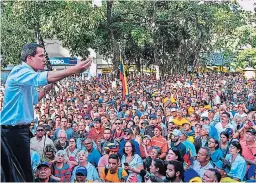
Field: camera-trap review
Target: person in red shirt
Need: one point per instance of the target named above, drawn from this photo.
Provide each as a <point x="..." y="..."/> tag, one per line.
<point x="96" y="133"/>
<point x="159" y="141"/>
<point x="249" y="146"/>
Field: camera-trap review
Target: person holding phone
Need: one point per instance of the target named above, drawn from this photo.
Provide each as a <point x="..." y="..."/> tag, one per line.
<point x="20" y="96"/>
<point x="132" y="162"/>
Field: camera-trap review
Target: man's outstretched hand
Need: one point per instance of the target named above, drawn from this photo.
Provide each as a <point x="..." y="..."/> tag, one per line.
<point x="83" y="65"/>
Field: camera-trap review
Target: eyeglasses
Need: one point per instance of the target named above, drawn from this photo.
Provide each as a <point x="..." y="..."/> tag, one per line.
<point x="232" y="147"/>
<point x="87" y="143"/>
<point x="40" y="130"/>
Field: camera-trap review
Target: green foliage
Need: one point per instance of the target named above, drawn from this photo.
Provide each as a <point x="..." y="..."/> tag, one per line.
<point x="171" y="34"/>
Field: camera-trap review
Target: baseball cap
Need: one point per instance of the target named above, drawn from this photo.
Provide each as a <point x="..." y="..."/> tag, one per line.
<point x="251" y="130"/>
<point x="176" y="133"/>
<point x="81" y="170"/>
<point x="112" y="147"/>
<point x="184" y="132"/>
<point x="173" y="110"/>
<point x="186" y="122"/>
<point x="44" y="164"/>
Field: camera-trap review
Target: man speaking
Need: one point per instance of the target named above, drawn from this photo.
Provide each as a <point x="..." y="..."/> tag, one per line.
<point x="20" y="96"/>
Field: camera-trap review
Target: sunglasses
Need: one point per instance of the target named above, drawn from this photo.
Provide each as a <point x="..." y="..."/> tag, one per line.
<point x="118" y="123"/>
<point x="40" y="130"/>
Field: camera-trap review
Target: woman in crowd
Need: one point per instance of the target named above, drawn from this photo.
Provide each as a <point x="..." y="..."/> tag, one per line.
<point x="60" y="169"/>
<point x="224" y="142"/>
<point x="132" y="162"/>
<point x="237" y="162"/>
<point x="92" y="174"/>
<point x="72" y="151"/>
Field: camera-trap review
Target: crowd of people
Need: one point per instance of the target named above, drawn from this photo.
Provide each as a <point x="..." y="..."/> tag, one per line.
<point x="183" y="128"/>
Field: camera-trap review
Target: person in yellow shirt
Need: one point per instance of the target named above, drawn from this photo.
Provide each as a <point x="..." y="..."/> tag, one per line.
<point x="219" y="165"/>
<point x="169" y="98"/>
<point x="113" y="173"/>
<point x="179" y="120"/>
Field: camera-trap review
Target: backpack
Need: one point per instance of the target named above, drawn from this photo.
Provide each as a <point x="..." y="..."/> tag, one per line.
<point x="119" y="173"/>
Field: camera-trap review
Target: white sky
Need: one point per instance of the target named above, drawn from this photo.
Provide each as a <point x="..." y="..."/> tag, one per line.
<point x="247" y="5"/>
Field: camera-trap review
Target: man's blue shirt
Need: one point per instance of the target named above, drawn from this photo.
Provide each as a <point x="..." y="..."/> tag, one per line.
<point x="21" y="94"/>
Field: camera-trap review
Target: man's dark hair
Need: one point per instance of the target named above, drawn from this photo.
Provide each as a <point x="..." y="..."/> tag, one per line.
<point x="226" y="113"/>
<point x="216" y="173"/>
<point x="29" y="50"/>
<point x="107" y="129"/>
<point x="114" y="156"/>
<point x="178" y="168"/>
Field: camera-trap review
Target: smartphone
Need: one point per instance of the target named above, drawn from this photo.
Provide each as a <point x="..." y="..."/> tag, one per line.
<point x="126" y="164"/>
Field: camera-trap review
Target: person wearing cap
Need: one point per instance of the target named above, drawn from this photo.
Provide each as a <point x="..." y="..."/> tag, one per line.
<point x="97" y="131"/>
<point x="149" y="130"/>
<point x="212" y="131"/>
<point x="176" y="143"/>
<point x="186" y="127"/>
<point x="92" y="174"/>
<point x="81" y="174"/>
<point x="145" y="147"/>
<point x="190" y="147"/>
<point x="128" y="137"/>
<point x="249" y="146"/>
<point x="159" y="141"/>
<point x="112" y="172"/>
<point x="179" y="120"/>
<point x="40" y="141"/>
<point x="44" y="173"/>
<point x="110" y="148"/>
<point x="219" y="165"/>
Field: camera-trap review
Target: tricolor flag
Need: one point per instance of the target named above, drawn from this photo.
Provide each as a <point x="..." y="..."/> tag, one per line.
<point x="125" y="91"/>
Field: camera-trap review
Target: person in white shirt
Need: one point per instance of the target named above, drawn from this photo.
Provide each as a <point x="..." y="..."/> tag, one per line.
<point x="38" y="143"/>
<point x="224" y="123"/>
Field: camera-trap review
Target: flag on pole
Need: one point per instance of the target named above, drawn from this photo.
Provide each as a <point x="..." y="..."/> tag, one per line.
<point x="125" y="91"/>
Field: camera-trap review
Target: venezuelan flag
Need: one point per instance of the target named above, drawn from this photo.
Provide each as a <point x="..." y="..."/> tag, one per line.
<point x="125" y="91"/>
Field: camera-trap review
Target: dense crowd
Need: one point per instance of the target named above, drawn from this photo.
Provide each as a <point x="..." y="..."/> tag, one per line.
<point x="183" y="128"/>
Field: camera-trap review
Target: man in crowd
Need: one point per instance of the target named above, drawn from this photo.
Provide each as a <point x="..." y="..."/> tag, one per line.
<point x="211" y="175"/>
<point x="202" y="163"/>
<point x="174" y="172"/>
<point x="113" y="173"/>
<point x="44" y="173"/>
